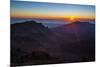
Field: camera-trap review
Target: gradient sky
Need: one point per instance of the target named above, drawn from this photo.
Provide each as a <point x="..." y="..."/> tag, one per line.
<point x="21" y="9"/>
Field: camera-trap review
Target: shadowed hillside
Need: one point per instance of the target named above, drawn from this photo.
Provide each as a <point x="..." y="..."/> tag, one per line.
<point x="77" y="38"/>
<point x="33" y="43"/>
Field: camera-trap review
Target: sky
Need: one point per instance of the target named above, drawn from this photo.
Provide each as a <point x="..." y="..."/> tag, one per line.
<point x="89" y="2"/>
<point x="22" y="9"/>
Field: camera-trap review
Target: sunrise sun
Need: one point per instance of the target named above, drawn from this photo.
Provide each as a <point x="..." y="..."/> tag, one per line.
<point x="71" y="18"/>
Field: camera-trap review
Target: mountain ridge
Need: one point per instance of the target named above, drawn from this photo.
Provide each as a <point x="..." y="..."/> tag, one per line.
<point x="70" y="42"/>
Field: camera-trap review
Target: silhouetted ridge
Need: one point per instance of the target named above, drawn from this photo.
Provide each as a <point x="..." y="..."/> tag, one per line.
<point x="28" y="23"/>
<point x="80" y="22"/>
<point x="76" y="21"/>
<point x="33" y="43"/>
<point x="76" y="25"/>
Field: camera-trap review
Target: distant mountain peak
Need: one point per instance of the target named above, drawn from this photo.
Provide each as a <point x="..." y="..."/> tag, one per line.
<point x="28" y="26"/>
<point x="78" y="22"/>
<point x="76" y="25"/>
<point x="29" y="23"/>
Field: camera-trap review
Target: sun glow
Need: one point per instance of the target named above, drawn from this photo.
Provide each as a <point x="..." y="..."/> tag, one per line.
<point x="71" y="18"/>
